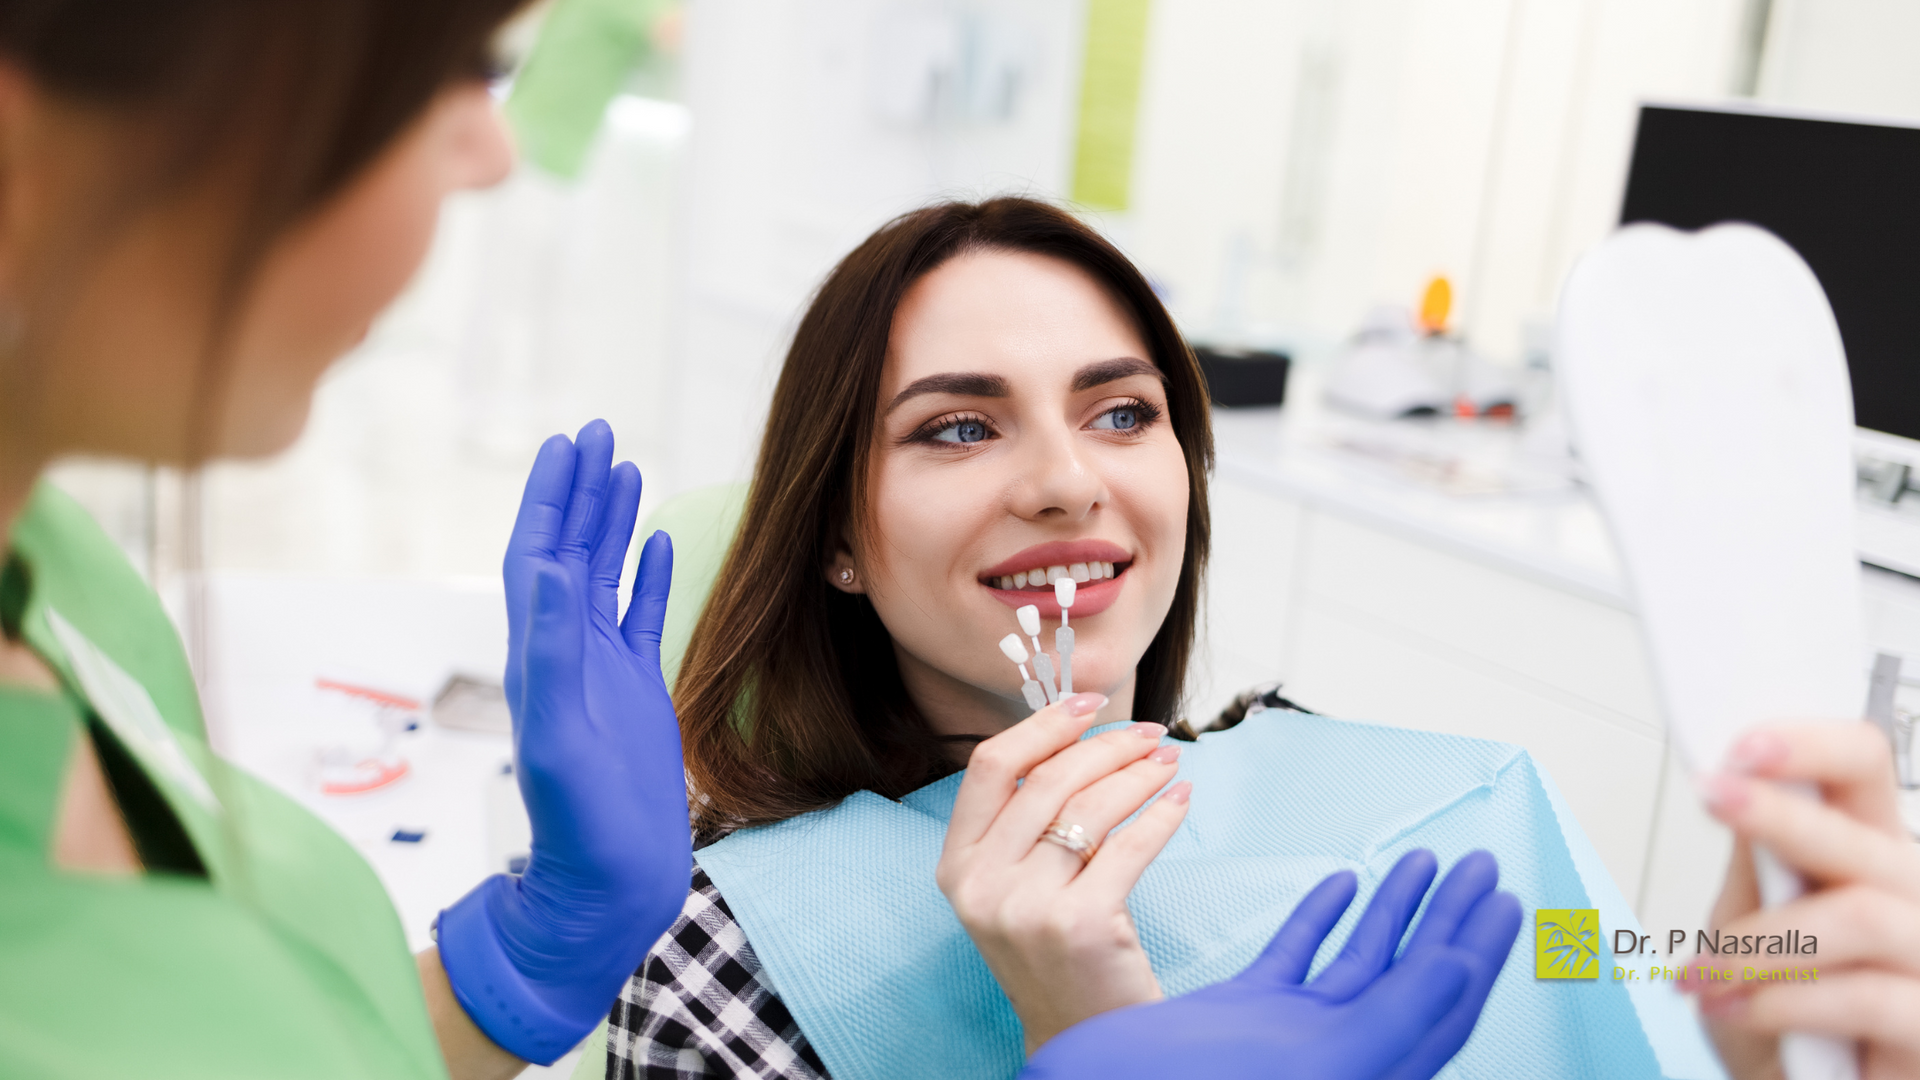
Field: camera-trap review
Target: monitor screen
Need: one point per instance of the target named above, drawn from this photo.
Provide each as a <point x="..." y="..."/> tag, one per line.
<point x="1846" y="196"/>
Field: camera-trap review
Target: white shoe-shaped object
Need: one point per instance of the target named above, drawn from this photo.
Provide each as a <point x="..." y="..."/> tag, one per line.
<point x="1706" y="387"/>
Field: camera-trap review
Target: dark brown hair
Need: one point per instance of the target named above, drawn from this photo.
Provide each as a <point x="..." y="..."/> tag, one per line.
<point x="774" y="720"/>
<point x="291" y="98"/>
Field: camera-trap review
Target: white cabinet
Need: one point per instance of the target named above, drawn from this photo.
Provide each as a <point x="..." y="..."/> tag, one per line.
<point x="1494" y="619"/>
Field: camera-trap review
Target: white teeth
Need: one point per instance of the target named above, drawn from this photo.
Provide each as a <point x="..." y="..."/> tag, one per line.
<point x="1039" y="578"/>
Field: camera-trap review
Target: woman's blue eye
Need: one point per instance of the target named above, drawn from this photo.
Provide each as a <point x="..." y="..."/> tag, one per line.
<point x="1124" y="418"/>
<point x="966" y="431"/>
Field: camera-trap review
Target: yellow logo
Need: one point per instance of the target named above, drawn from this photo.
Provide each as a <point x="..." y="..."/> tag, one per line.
<point x="1566" y="943"/>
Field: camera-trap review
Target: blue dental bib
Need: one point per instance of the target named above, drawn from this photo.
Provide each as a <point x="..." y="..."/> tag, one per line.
<point x="842" y="910"/>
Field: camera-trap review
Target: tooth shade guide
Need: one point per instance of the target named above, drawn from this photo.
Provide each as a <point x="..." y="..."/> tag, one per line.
<point x="1011" y="647"/>
<point x="1029" y="617"/>
<point x="1036" y="697"/>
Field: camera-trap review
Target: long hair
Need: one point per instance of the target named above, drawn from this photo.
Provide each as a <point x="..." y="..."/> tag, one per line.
<point x="789" y="696"/>
<point x="284" y="100"/>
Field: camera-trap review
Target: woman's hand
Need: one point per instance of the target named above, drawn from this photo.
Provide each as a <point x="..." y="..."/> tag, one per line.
<point x="537" y="959"/>
<point x="1053" y="928"/>
<point x="1863" y="903"/>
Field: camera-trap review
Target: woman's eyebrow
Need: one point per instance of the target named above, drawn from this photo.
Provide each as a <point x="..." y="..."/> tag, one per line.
<point x="961" y="383"/>
<point x="1101" y="372"/>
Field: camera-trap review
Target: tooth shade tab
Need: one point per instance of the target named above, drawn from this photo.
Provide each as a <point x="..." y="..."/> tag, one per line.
<point x="1078" y="572"/>
<point x="1020" y="580"/>
<point x="1055" y="573"/>
<point x="1014" y="650"/>
<point x="1063" y="591"/>
<point x="1029" y="617"/>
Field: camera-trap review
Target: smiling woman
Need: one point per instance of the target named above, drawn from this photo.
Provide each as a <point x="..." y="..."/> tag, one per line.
<point x="980" y="398"/>
<point x="972" y="382"/>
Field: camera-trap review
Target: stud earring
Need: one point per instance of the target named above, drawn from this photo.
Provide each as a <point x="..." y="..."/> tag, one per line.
<point x="846" y="577"/>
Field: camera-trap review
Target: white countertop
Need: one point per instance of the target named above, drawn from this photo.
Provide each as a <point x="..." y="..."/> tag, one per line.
<point x="1472" y="488"/>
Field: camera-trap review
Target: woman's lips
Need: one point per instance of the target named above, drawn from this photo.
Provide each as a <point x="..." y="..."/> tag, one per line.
<point x="1089" y="598"/>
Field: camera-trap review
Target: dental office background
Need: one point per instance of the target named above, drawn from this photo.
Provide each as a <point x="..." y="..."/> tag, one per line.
<point x="1287" y="172"/>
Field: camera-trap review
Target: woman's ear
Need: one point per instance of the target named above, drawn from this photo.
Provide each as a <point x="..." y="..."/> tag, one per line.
<point x="842" y="574"/>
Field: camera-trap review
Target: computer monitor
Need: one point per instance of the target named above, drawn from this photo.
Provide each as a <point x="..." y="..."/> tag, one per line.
<point x="1844" y="194"/>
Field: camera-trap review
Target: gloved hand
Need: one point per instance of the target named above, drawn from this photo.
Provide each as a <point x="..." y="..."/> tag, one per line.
<point x="537" y="960"/>
<point x="1367" y="1016"/>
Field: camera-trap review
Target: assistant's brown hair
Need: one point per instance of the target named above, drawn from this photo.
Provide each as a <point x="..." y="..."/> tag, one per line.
<point x="789" y="697"/>
<point x="288" y="99"/>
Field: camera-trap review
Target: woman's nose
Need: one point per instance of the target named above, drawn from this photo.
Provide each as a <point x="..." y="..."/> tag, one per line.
<point x="1057" y="480"/>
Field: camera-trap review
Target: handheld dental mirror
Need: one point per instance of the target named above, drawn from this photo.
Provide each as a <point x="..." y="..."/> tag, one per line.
<point x="1016" y="652"/>
<point x="1707" y="389"/>
<point x="1029" y="617"/>
<point x="1063" y="637"/>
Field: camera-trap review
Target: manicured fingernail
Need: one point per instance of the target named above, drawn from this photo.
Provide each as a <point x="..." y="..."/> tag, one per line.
<point x="1758" y="750"/>
<point x="1724" y="794"/>
<point x="1085" y="704"/>
<point x="1166" y="755"/>
<point x="1149" y="731"/>
<point x="1179" y="793"/>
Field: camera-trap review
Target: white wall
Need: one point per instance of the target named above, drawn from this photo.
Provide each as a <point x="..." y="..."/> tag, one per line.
<point x="1327" y="155"/>
<point x="807" y="137"/>
<point x="1846" y="55"/>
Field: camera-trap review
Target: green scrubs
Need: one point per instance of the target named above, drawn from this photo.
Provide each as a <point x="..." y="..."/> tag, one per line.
<point x="257" y="944"/>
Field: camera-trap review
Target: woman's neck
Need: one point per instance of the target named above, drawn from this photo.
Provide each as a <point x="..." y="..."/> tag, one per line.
<point x="20" y="666"/>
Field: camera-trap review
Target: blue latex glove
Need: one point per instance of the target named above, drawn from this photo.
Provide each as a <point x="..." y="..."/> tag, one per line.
<point x="537" y="960"/>
<point x="1367" y="1016"/>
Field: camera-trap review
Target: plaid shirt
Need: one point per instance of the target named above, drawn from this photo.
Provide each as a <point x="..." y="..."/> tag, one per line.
<point x="699" y="1007"/>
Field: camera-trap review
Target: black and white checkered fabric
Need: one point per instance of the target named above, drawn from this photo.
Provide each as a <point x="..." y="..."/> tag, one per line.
<point x="700" y="1007"/>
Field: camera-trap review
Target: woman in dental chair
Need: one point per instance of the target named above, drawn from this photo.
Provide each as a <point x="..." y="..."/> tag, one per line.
<point x="980" y="398"/>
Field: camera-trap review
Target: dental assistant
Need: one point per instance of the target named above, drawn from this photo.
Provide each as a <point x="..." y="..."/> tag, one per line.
<point x="203" y="203"/>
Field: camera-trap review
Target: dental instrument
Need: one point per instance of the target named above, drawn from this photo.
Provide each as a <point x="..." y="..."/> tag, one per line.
<point x="1063" y="637"/>
<point x="1030" y="688"/>
<point x="1029" y="617"/>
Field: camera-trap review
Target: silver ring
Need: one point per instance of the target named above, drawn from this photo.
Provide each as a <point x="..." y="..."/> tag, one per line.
<point x="1073" y="838"/>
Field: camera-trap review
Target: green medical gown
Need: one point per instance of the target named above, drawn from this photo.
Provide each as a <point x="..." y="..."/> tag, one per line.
<point x="258" y="944"/>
